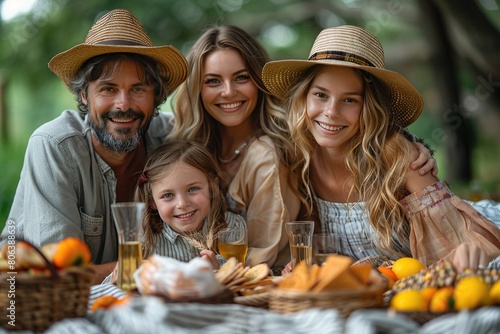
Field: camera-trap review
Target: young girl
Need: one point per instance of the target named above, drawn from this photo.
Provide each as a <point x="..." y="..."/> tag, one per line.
<point x="224" y="105"/>
<point x="184" y="193"/>
<point x="346" y="111"/>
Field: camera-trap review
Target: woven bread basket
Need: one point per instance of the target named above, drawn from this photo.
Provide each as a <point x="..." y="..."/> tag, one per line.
<point x="344" y="300"/>
<point x="43" y="299"/>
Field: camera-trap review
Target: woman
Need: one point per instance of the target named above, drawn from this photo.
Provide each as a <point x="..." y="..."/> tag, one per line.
<point x="225" y="105"/>
<point x="346" y="111"/>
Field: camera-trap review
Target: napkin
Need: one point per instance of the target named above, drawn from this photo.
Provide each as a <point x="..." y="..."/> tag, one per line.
<point x="177" y="280"/>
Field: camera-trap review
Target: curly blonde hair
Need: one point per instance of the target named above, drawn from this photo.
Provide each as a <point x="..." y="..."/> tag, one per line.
<point x="193" y="122"/>
<point x="377" y="159"/>
<point x="193" y="154"/>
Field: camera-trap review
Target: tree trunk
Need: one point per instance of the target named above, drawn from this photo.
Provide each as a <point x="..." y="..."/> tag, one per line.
<point x="459" y="135"/>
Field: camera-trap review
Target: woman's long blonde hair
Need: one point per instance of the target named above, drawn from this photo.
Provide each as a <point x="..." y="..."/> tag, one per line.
<point x="377" y="158"/>
<point x="193" y="154"/>
<point x="193" y="122"/>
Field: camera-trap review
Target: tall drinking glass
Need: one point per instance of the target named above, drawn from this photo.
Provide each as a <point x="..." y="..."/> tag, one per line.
<point x="300" y="238"/>
<point x="324" y="246"/>
<point x="128" y="219"/>
<point x="233" y="242"/>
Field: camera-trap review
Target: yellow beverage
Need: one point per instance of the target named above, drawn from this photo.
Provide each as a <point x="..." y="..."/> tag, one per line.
<point x="301" y="253"/>
<point x="321" y="258"/>
<point x="239" y="251"/>
<point x="129" y="260"/>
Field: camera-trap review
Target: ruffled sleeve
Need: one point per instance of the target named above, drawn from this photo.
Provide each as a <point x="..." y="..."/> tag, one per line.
<point x="440" y="221"/>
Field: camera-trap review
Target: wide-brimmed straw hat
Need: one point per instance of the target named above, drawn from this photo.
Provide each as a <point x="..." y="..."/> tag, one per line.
<point x="348" y="46"/>
<point x="120" y="31"/>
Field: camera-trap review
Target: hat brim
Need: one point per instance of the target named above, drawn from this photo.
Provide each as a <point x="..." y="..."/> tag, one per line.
<point x="66" y="64"/>
<point x="406" y="103"/>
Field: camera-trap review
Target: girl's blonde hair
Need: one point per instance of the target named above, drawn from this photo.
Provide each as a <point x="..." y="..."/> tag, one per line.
<point x="193" y="122"/>
<point x="166" y="155"/>
<point x="377" y="159"/>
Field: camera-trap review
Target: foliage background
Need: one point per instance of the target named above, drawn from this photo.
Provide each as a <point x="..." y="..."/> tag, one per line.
<point x="31" y="95"/>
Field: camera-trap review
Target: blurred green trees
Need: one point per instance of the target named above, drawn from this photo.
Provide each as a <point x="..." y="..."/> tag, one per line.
<point x="419" y="38"/>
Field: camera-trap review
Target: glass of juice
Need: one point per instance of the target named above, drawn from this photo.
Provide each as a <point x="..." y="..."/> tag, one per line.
<point x="233" y="242"/>
<point x="324" y="246"/>
<point x="300" y="238"/>
<point x="128" y="220"/>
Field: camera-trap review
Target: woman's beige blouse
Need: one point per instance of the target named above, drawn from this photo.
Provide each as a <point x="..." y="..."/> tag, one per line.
<point x="261" y="192"/>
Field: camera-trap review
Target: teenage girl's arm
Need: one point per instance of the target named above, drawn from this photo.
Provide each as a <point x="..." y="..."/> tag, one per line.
<point x="415" y="181"/>
<point x="467" y="254"/>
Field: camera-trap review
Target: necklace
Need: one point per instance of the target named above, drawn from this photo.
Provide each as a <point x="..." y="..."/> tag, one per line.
<point x="237" y="152"/>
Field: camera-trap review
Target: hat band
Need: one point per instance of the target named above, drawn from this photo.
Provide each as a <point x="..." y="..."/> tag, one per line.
<point x="119" y="42"/>
<point x="339" y="55"/>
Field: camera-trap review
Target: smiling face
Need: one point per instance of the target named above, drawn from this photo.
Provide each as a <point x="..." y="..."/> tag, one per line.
<point x="121" y="105"/>
<point x="229" y="95"/>
<point x="334" y="104"/>
<point x="182" y="197"/>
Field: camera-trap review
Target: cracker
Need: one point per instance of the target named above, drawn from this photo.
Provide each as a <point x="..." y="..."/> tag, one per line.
<point x="236" y="282"/>
<point x="297" y="280"/>
<point x="344" y="281"/>
<point x="290" y="282"/>
<point x="258" y="272"/>
<point x="226" y="270"/>
<point x="239" y="271"/>
<point x="262" y="282"/>
<point x="333" y="267"/>
<point x="313" y="277"/>
<point x="256" y="290"/>
<point x="361" y="272"/>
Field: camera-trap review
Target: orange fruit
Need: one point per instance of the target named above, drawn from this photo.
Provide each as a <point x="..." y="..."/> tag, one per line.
<point x="410" y="300"/>
<point x="103" y="302"/>
<point x="495" y="293"/>
<point x="406" y="266"/>
<point x="428" y="293"/>
<point x="106" y="302"/>
<point x="122" y="301"/>
<point x="442" y="300"/>
<point x="71" y="252"/>
<point x="470" y="293"/>
<point x="387" y="272"/>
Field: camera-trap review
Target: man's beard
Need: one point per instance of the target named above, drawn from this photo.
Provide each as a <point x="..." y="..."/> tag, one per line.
<point x="107" y="139"/>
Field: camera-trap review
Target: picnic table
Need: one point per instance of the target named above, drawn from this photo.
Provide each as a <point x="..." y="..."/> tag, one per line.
<point x="149" y="314"/>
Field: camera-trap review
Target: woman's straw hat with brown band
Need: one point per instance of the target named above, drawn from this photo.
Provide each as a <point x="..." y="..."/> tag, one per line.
<point x="120" y="31"/>
<point x="348" y="46"/>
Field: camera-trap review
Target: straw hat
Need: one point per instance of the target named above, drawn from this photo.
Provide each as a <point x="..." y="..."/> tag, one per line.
<point x="348" y="46"/>
<point x="120" y="31"/>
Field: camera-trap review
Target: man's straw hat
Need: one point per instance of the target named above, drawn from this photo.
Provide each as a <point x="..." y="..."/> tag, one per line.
<point x="349" y="46"/>
<point x="120" y="31"/>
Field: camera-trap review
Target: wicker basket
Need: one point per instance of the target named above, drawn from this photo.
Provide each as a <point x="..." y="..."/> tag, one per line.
<point x="41" y="300"/>
<point x="345" y="300"/>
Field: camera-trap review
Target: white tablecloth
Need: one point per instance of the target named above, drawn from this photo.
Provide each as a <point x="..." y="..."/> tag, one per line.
<point x="151" y="315"/>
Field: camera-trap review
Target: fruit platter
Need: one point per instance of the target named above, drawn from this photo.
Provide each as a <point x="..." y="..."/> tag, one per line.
<point x="425" y="293"/>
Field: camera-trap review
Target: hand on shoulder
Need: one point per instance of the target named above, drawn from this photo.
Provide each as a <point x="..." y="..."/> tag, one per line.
<point x="415" y="181"/>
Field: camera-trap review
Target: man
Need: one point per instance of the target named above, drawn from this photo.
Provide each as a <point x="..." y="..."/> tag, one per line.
<point x="78" y="164"/>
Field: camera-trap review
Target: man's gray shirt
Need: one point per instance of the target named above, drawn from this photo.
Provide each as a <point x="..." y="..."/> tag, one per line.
<point x="66" y="189"/>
